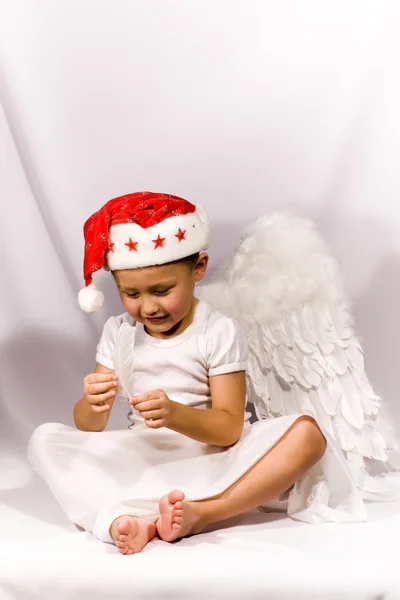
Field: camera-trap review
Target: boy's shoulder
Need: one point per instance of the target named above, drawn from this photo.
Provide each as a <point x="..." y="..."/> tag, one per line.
<point x="215" y="319"/>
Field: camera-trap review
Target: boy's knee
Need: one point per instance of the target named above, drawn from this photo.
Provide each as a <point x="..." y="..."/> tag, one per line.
<point x="313" y="436"/>
<point x="46" y="429"/>
<point x="38" y="440"/>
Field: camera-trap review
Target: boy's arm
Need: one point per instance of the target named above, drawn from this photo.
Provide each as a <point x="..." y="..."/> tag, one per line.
<point x="92" y="411"/>
<point x="222" y="425"/>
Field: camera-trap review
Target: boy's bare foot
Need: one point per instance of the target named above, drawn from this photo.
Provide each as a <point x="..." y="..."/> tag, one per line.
<point x="132" y="534"/>
<point x="178" y="518"/>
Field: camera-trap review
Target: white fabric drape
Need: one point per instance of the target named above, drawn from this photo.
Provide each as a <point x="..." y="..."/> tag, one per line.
<point x="244" y="108"/>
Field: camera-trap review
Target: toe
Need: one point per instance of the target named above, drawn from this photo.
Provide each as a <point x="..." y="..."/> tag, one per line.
<point x="178" y="513"/>
<point x="121" y="529"/>
<point x="177" y="520"/>
<point x="176" y="496"/>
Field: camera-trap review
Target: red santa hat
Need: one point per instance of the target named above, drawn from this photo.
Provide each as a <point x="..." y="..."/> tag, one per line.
<point x="139" y="230"/>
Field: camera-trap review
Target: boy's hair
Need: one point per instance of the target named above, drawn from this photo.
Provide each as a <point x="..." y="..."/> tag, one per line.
<point x="190" y="261"/>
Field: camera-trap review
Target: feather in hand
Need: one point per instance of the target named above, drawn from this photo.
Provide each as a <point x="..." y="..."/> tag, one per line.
<point x="124" y="358"/>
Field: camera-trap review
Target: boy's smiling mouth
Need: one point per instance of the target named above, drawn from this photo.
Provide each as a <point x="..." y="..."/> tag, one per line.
<point x="155" y="320"/>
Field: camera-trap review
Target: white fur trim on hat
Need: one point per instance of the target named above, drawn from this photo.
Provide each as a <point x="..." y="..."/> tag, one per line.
<point x="133" y="246"/>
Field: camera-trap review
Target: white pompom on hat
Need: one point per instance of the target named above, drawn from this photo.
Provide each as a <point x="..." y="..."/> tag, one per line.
<point x="139" y="230"/>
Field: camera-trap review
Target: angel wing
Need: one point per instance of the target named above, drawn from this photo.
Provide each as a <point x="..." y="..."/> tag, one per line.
<point x="304" y="356"/>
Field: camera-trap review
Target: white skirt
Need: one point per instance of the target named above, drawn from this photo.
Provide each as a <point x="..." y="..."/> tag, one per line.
<point x="97" y="477"/>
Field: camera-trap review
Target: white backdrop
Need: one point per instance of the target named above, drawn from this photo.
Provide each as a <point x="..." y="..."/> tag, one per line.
<point x="242" y="106"/>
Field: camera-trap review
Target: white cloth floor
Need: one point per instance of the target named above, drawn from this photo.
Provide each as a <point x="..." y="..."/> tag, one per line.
<point x="259" y="555"/>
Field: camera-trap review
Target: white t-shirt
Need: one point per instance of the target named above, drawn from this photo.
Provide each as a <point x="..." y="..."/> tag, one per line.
<point x="213" y="344"/>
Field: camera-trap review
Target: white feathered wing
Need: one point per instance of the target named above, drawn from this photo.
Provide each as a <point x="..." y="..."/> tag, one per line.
<point x="304" y="357"/>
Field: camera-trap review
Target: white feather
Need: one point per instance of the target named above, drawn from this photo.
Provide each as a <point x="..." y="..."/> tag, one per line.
<point x="311" y="373"/>
<point x="278" y="357"/>
<point x="124" y="358"/>
<point x="355" y="356"/>
<point x="306" y="332"/>
<point x="335" y="392"/>
<point x="325" y="397"/>
<point x="276" y="395"/>
<point x="302" y="400"/>
<point x="351" y="406"/>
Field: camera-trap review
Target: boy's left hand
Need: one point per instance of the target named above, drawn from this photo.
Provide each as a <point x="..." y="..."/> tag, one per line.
<point x="155" y="407"/>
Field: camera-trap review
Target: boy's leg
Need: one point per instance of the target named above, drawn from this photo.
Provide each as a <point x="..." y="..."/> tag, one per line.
<point x="296" y="452"/>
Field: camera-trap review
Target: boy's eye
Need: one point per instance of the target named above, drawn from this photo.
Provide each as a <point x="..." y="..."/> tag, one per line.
<point x="159" y="292"/>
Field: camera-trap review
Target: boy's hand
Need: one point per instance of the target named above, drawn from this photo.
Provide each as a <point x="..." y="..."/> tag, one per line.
<point x="99" y="389"/>
<point x="155" y="407"/>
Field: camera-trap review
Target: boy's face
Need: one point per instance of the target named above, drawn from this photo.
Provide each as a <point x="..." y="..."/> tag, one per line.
<point x="161" y="297"/>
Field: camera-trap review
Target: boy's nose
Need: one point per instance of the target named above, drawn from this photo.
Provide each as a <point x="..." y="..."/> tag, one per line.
<point x="149" y="308"/>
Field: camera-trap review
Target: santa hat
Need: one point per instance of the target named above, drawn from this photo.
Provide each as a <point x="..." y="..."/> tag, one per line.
<point x="139" y="230"/>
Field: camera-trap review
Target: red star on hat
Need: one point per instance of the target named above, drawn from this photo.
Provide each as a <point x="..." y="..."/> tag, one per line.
<point x="159" y="242"/>
<point x="110" y="246"/>
<point x="181" y="234"/>
<point x="131" y="245"/>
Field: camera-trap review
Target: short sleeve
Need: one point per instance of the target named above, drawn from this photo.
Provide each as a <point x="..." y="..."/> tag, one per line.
<point x="106" y="347"/>
<point x="226" y="346"/>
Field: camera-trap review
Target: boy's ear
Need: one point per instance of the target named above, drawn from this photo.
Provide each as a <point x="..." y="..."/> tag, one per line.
<point x="201" y="267"/>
